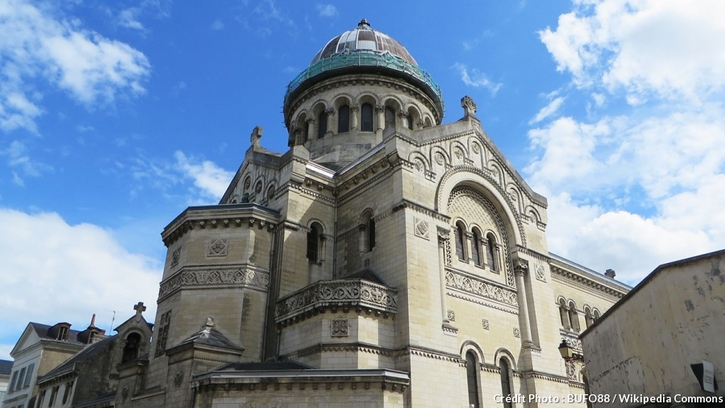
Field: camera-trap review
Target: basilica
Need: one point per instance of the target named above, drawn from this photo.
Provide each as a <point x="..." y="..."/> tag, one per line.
<point x="385" y="260"/>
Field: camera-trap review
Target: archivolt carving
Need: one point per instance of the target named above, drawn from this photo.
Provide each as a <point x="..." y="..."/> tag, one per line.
<point x="471" y="204"/>
<point x="231" y="276"/>
<point x="481" y="288"/>
<point x="484" y="175"/>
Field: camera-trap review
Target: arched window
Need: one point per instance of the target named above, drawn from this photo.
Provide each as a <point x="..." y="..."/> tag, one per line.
<point x="389" y="120"/>
<point x="367" y="232"/>
<point x="472" y="378"/>
<point x="476" y="247"/>
<point x="596" y="315"/>
<point x="321" y="124"/>
<point x="305" y="132"/>
<point x="564" y="314"/>
<point x="588" y="317"/>
<point x="409" y="119"/>
<point x="460" y="239"/>
<point x="505" y="383"/>
<point x="491" y="252"/>
<point x="314" y="243"/>
<point x="573" y="317"/>
<point x="343" y="119"/>
<point x="366" y="113"/>
<point x="130" y="351"/>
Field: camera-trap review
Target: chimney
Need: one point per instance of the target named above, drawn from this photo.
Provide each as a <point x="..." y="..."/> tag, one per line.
<point x="610" y="273"/>
<point x="93" y="320"/>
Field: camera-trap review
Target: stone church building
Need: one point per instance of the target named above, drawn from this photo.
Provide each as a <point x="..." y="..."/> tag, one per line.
<point x="385" y="260"/>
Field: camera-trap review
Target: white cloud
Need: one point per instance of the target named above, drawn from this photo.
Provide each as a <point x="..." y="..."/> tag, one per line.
<point x="18" y="158"/>
<point x="53" y="271"/>
<point x="128" y="18"/>
<point x="548" y="110"/>
<point x="218" y="24"/>
<point x="35" y="44"/>
<point x="327" y="10"/>
<point x="667" y="48"/>
<point x="208" y="177"/>
<point x="477" y="79"/>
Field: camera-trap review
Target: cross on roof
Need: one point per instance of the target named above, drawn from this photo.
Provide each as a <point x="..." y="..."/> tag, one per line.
<point x="139" y="308"/>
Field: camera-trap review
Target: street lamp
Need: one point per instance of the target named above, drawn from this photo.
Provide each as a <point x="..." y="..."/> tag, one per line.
<point x="567" y="353"/>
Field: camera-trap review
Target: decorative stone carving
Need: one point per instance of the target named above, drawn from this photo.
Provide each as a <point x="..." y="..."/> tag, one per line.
<point x="163" y="333"/>
<point x="540" y="273"/>
<point x="476" y="149"/>
<point x="217" y="247"/>
<point x="451" y="314"/>
<point x="178" y="378"/>
<point x="571" y="370"/>
<point x="175" y="256"/>
<point x="256" y="135"/>
<point x="421" y="228"/>
<point x="472" y="206"/>
<point x="521" y="266"/>
<point x="339" y="328"/>
<point x="469" y="107"/>
<point x="517" y="333"/>
<point x="485" y="323"/>
<point x="458" y="153"/>
<point x="445" y="241"/>
<point x="338" y="293"/>
<point x="439" y="158"/>
<point x="204" y="277"/>
<point x="481" y="288"/>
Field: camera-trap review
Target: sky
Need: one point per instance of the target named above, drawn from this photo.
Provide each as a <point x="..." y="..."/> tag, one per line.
<point x="116" y="116"/>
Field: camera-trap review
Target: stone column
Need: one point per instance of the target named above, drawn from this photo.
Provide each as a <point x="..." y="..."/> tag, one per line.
<point x="380" y="111"/>
<point x="443" y="241"/>
<point x="330" y="121"/>
<point x="310" y="128"/>
<point x="354" y="112"/>
<point x="521" y="267"/>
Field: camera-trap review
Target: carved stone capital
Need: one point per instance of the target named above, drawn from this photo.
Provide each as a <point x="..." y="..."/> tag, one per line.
<point x="380" y="108"/>
<point x="443" y="234"/>
<point x="330" y="111"/>
<point x="355" y="108"/>
<point x="521" y="266"/>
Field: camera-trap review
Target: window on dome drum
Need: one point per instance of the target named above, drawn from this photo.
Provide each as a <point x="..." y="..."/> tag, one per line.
<point x="476" y="247"/>
<point x="460" y="240"/>
<point x="366" y="119"/>
<point x="389" y="119"/>
<point x="491" y="252"/>
<point x="409" y="119"/>
<point x="564" y="314"/>
<point x="313" y="243"/>
<point x="371" y="234"/>
<point x="472" y="378"/>
<point x="573" y="317"/>
<point x="321" y="124"/>
<point x="343" y="121"/>
<point x="505" y="383"/>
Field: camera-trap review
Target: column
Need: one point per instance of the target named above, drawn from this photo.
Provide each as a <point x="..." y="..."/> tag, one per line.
<point x="354" y="115"/>
<point x="521" y="267"/>
<point x="443" y="241"/>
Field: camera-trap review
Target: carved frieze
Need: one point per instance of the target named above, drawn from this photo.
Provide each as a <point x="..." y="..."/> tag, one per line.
<point x="481" y="288"/>
<point x="339" y="327"/>
<point x="421" y="228"/>
<point x="256" y="278"/>
<point x="338" y="293"/>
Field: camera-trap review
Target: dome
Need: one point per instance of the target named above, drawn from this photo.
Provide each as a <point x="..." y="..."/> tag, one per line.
<point x="363" y="51"/>
<point x="363" y="39"/>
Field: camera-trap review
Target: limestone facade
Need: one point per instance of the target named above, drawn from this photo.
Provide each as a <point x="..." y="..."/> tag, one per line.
<point x="385" y="260"/>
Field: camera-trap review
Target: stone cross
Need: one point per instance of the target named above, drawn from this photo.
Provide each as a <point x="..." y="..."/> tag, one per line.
<point x="139" y="308"/>
<point x="256" y="135"/>
<point x="469" y="107"/>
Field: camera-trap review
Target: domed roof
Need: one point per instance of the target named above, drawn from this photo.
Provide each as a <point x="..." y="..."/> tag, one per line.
<point x="363" y="38"/>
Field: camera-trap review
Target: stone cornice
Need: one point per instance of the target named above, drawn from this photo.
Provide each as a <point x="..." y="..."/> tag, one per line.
<point x="219" y="216"/>
<point x="342" y="293"/>
<point x="407" y="204"/>
<point x="577" y="279"/>
<point x="190" y="277"/>
<point x="481" y="302"/>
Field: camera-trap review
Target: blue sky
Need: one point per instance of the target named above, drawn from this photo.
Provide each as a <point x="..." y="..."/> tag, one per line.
<point x="115" y="116"/>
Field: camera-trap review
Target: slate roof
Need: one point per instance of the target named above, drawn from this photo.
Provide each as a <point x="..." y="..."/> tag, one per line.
<point x="42" y="331"/>
<point x="266" y="366"/>
<point x="211" y="337"/>
<point x="5" y="367"/>
<point x="91" y="352"/>
<point x="366" y="274"/>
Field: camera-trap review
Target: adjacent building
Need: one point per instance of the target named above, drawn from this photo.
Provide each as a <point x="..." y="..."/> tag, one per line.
<point x="661" y="345"/>
<point x="41" y="348"/>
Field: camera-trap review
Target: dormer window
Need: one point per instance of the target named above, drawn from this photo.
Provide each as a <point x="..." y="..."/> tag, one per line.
<point x="62" y="333"/>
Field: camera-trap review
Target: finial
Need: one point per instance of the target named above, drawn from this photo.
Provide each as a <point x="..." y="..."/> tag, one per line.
<point x="469" y="107"/>
<point x="363" y="24"/>
<point x="139" y="308"/>
<point x="206" y="330"/>
<point x="256" y="135"/>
